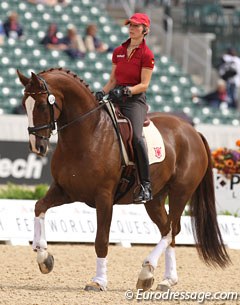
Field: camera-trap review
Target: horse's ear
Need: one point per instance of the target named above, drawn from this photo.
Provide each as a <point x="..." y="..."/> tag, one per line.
<point x="23" y="79"/>
<point x="35" y="79"/>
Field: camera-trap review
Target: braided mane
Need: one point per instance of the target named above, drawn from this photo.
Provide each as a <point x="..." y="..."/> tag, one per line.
<point x="72" y="74"/>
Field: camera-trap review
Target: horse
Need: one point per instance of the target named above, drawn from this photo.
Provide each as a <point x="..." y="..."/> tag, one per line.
<point x="86" y="166"/>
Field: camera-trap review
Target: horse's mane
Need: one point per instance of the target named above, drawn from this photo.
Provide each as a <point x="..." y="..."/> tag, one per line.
<point x="72" y="74"/>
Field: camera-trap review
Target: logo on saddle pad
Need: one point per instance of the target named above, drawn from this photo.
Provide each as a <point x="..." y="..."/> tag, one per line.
<point x="155" y="144"/>
<point x="158" y="152"/>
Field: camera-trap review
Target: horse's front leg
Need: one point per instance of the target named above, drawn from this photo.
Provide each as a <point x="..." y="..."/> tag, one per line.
<point x="104" y="217"/>
<point x="54" y="197"/>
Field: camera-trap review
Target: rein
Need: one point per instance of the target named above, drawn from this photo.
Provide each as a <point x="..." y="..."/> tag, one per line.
<point x="83" y="116"/>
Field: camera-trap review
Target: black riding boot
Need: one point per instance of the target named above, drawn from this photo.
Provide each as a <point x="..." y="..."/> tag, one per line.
<point x="145" y="193"/>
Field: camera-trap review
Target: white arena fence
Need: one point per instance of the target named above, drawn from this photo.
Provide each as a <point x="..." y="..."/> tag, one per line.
<point x="76" y="222"/>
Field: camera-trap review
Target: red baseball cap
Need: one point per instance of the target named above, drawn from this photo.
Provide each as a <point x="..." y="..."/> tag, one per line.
<point x="139" y="18"/>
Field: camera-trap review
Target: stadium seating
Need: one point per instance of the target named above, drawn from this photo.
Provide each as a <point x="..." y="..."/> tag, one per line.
<point x="170" y="90"/>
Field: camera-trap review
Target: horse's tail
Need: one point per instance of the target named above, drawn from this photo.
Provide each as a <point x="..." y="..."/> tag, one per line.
<point x="204" y="219"/>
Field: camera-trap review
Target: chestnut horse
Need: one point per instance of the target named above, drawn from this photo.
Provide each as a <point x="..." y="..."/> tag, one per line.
<point x="86" y="166"/>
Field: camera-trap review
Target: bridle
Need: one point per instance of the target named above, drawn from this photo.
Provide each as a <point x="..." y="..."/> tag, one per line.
<point x="52" y="103"/>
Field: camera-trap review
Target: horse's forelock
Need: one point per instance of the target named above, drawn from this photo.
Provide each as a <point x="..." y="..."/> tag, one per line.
<point x="33" y="87"/>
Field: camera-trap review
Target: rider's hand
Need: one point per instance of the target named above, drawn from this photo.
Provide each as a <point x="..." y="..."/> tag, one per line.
<point x="117" y="94"/>
<point x="126" y="91"/>
<point x="99" y="95"/>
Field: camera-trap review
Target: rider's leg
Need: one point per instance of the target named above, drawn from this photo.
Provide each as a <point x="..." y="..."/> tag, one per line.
<point x="145" y="193"/>
<point x="136" y="111"/>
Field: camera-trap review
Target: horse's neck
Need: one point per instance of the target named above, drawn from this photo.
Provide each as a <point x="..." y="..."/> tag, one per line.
<point x="85" y="136"/>
<point x="77" y="101"/>
<point x="79" y="120"/>
<point x="76" y="106"/>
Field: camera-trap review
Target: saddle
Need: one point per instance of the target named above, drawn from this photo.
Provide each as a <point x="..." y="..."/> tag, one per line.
<point x="124" y="131"/>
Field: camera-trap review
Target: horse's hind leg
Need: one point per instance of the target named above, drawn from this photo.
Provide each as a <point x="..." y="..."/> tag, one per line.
<point x="177" y="203"/>
<point x="156" y="211"/>
<point x="54" y="197"/>
<point x="170" y="277"/>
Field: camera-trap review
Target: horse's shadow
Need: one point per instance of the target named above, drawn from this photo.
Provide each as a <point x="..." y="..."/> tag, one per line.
<point x="41" y="288"/>
<point x="55" y="288"/>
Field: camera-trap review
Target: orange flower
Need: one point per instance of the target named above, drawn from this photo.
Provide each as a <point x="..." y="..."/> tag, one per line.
<point x="229" y="163"/>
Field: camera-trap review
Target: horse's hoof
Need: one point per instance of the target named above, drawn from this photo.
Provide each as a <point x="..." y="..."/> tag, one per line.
<point x="166" y="284"/>
<point x="93" y="286"/>
<point x="145" y="279"/>
<point x="145" y="284"/>
<point x="47" y="265"/>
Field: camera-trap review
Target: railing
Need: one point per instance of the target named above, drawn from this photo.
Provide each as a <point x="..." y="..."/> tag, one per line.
<point x="168" y="34"/>
<point x="165" y="34"/>
<point x="204" y="61"/>
<point x="129" y="6"/>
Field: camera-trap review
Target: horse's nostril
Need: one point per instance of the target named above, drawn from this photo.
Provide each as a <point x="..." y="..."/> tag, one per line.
<point x="42" y="149"/>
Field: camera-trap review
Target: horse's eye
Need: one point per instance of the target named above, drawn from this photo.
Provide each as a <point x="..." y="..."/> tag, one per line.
<point x="42" y="107"/>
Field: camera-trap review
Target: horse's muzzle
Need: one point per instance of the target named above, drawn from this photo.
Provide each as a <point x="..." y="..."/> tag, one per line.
<point x="40" y="147"/>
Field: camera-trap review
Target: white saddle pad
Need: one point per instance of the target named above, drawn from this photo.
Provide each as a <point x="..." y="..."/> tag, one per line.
<point x="155" y="145"/>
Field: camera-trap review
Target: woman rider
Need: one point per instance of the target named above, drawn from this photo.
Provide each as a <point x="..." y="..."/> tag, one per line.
<point x="132" y="66"/>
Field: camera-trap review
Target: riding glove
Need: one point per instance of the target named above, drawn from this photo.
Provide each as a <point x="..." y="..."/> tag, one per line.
<point x="99" y="95"/>
<point x="117" y="94"/>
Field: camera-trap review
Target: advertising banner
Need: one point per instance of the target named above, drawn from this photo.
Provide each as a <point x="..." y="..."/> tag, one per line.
<point x="20" y="166"/>
<point x="76" y="222"/>
<point x="227" y="191"/>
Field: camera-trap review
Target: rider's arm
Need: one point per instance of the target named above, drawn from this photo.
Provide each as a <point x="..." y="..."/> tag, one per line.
<point x="146" y="75"/>
<point x="112" y="81"/>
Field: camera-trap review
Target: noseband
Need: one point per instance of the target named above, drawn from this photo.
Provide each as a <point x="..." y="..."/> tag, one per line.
<point x="51" y="103"/>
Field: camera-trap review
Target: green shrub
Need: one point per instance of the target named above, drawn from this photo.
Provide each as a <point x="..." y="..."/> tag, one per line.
<point x="227" y="213"/>
<point x="40" y="191"/>
<point x="13" y="191"/>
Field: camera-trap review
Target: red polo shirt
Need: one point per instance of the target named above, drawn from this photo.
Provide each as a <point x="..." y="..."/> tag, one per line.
<point x="128" y="69"/>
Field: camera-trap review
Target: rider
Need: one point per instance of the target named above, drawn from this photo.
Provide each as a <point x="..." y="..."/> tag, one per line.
<point x="132" y="66"/>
